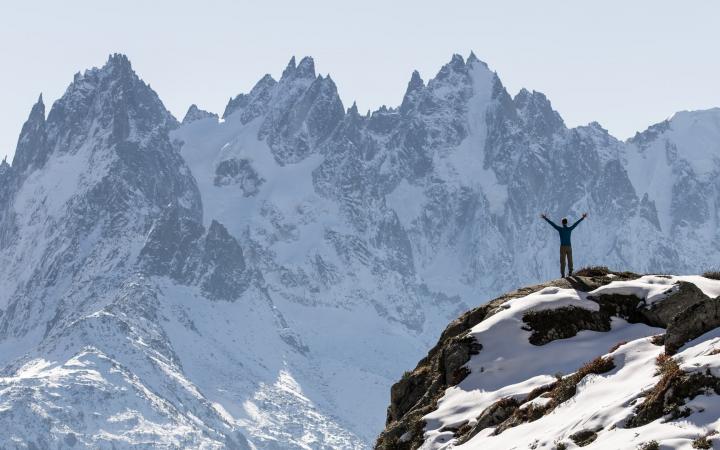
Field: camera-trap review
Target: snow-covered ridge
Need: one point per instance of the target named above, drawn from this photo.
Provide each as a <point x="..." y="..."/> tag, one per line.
<point x="508" y="394"/>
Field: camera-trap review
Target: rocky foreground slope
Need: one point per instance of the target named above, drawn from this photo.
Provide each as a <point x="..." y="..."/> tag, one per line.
<point x="604" y="359"/>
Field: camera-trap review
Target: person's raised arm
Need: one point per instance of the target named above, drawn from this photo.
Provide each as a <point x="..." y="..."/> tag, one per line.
<point x="544" y="217"/>
<point x="578" y="221"/>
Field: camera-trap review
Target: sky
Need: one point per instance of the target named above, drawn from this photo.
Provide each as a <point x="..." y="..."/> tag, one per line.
<point x="626" y="64"/>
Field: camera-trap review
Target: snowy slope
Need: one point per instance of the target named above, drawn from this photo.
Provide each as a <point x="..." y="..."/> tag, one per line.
<point x="262" y="278"/>
<point x="509" y="367"/>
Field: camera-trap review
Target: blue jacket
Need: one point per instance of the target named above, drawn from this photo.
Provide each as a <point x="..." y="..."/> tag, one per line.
<point x="564" y="230"/>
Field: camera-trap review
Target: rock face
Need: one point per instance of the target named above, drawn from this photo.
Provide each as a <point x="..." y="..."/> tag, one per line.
<point x="183" y="250"/>
<point x="238" y="172"/>
<point x="194" y="113"/>
<point x="425" y="413"/>
<point x="692" y="322"/>
<point x="274" y="263"/>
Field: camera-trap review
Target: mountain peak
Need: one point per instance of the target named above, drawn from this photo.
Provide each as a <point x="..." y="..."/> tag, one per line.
<point x="123" y="102"/>
<point x="597" y="126"/>
<point x="414" y="85"/>
<point x="416" y="82"/>
<point x="31" y="147"/>
<point x="306" y="68"/>
<point x="455" y="66"/>
<point x="536" y="110"/>
<point x="289" y="69"/>
<point x="353" y="110"/>
<point x="473" y="60"/>
<point x="38" y="109"/>
<point x="457" y="59"/>
<point x="259" y="94"/>
<point x="194" y="113"/>
<point x="119" y="62"/>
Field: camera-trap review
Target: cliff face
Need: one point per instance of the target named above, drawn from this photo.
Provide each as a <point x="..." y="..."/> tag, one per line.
<point x="606" y="357"/>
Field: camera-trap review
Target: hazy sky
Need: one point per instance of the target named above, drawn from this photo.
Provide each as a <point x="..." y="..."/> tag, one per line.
<point x="625" y="63"/>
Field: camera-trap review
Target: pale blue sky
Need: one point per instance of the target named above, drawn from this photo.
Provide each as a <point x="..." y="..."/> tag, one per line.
<point x="626" y="64"/>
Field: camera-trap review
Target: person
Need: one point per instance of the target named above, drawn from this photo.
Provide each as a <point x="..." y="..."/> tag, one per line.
<point x="565" y="246"/>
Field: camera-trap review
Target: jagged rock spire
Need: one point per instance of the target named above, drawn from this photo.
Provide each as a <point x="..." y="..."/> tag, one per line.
<point x="289" y="69"/>
<point x="416" y="82"/>
<point x="31" y="148"/>
<point x="457" y="61"/>
<point x="305" y="69"/>
<point x="353" y="110"/>
<point x="414" y="85"/>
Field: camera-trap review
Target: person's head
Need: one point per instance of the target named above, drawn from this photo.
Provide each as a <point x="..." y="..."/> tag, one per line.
<point x="564" y="220"/>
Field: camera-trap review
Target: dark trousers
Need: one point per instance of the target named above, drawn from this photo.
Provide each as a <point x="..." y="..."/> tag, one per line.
<point x="566" y="253"/>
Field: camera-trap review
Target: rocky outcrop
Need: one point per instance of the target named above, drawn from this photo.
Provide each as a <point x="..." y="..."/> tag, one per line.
<point x="685" y="311"/>
<point x="493" y="416"/>
<point x="669" y="396"/>
<point x="699" y="318"/>
<point x="180" y="248"/>
<point x="239" y="172"/>
<point x="680" y="297"/>
<point x="551" y="324"/>
<point x="417" y="393"/>
<point x="583" y="437"/>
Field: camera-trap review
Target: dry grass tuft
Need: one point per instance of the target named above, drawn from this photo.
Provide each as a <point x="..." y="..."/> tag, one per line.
<point x="666" y="365"/>
<point x="597" y="366"/>
<point x="702" y="442"/>
<point x="560" y="391"/>
<point x="712" y="274"/>
<point x="592" y="271"/>
<point x="617" y="346"/>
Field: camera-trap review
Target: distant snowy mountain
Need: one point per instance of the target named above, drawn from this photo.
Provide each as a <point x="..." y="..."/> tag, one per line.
<point x="260" y="280"/>
<point x="607" y="360"/>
